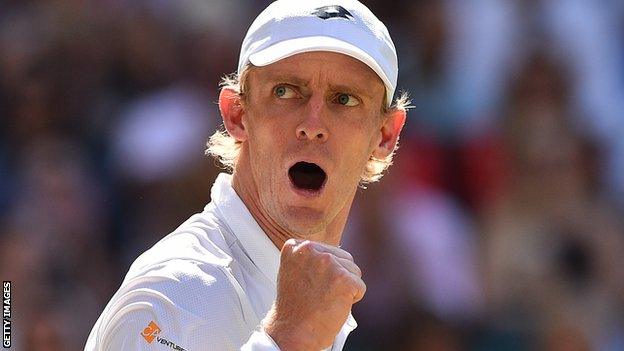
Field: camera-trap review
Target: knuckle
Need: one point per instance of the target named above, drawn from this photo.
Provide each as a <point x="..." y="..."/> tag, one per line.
<point x="325" y="259"/>
<point x="290" y="244"/>
<point x="304" y="247"/>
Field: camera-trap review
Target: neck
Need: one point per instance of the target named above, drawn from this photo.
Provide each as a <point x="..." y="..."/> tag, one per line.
<point x="331" y="233"/>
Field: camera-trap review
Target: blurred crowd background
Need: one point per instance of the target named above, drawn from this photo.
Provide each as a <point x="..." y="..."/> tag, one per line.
<point x="498" y="228"/>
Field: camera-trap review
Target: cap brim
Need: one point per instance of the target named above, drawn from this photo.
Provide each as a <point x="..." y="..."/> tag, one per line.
<point x="292" y="47"/>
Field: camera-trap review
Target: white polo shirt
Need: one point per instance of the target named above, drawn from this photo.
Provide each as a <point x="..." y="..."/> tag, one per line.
<point x="206" y="286"/>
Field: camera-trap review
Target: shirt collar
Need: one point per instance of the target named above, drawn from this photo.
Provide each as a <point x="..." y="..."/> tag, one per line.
<point x="252" y="238"/>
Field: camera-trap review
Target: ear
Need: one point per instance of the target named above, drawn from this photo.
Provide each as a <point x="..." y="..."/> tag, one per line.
<point x="390" y="130"/>
<point x="232" y="113"/>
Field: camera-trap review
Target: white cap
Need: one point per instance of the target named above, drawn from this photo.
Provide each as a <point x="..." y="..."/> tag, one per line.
<point x="289" y="27"/>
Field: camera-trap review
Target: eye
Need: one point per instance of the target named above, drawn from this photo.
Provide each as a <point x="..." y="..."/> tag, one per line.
<point x="284" y="92"/>
<point x="347" y="100"/>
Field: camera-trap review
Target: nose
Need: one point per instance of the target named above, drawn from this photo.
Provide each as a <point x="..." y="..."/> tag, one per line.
<point x="312" y="127"/>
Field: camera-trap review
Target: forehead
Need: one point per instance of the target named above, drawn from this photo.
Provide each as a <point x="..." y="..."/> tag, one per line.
<point x="323" y="67"/>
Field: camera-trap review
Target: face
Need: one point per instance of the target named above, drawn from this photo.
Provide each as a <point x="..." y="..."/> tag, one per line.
<point x="308" y="126"/>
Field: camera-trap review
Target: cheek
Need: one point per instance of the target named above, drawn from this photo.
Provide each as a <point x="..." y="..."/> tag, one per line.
<point x="359" y="147"/>
<point x="263" y="127"/>
<point x="266" y="145"/>
<point x="259" y="131"/>
<point x="269" y="140"/>
<point x="368" y="137"/>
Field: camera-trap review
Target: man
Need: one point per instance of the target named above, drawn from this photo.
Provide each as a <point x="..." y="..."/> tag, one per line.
<point x="308" y="118"/>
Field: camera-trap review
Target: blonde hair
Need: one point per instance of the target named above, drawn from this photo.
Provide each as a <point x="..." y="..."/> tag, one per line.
<point x="226" y="149"/>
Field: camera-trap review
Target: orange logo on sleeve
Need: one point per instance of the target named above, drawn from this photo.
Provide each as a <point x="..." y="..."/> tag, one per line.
<point x="150" y="332"/>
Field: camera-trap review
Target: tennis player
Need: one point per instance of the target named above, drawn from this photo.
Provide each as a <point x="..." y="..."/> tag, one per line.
<point x="309" y="116"/>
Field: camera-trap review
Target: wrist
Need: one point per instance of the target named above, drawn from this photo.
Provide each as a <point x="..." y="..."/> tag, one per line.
<point x="289" y="336"/>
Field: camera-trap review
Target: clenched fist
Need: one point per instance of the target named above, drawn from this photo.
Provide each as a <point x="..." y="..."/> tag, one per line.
<point x="316" y="286"/>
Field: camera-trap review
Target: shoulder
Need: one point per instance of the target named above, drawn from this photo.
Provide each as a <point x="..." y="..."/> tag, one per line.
<point x="177" y="284"/>
<point x="194" y="259"/>
<point x="182" y="290"/>
<point x="200" y="239"/>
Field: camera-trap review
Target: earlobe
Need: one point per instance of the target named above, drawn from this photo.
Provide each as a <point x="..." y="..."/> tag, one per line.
<point x="232" y="113"/>
<point x="390" y="131"/>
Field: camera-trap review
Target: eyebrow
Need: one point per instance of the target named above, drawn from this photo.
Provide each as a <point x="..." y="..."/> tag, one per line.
<point x="291" y="79"/>
<point x="350" y="90"/>
<point x="286" y="78"/>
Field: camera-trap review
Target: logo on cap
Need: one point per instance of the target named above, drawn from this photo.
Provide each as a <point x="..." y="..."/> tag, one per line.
<point x="333" y="11"/>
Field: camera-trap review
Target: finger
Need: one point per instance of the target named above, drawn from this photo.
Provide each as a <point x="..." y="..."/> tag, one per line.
<point x="349" y="266"/>
<point x="357" y="284"/>
<point x="336" y="251"/>
<point x="360" y="289"/>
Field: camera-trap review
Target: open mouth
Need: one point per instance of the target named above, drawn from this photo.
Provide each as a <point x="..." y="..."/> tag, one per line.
<point x="307" y="176"/>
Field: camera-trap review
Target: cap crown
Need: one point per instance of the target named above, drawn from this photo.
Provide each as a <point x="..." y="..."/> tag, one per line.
<point x="288" y="27"/>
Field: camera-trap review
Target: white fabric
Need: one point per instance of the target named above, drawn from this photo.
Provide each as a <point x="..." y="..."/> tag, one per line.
<point x="287" y="27"/>
<point x="206" y="286"/>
